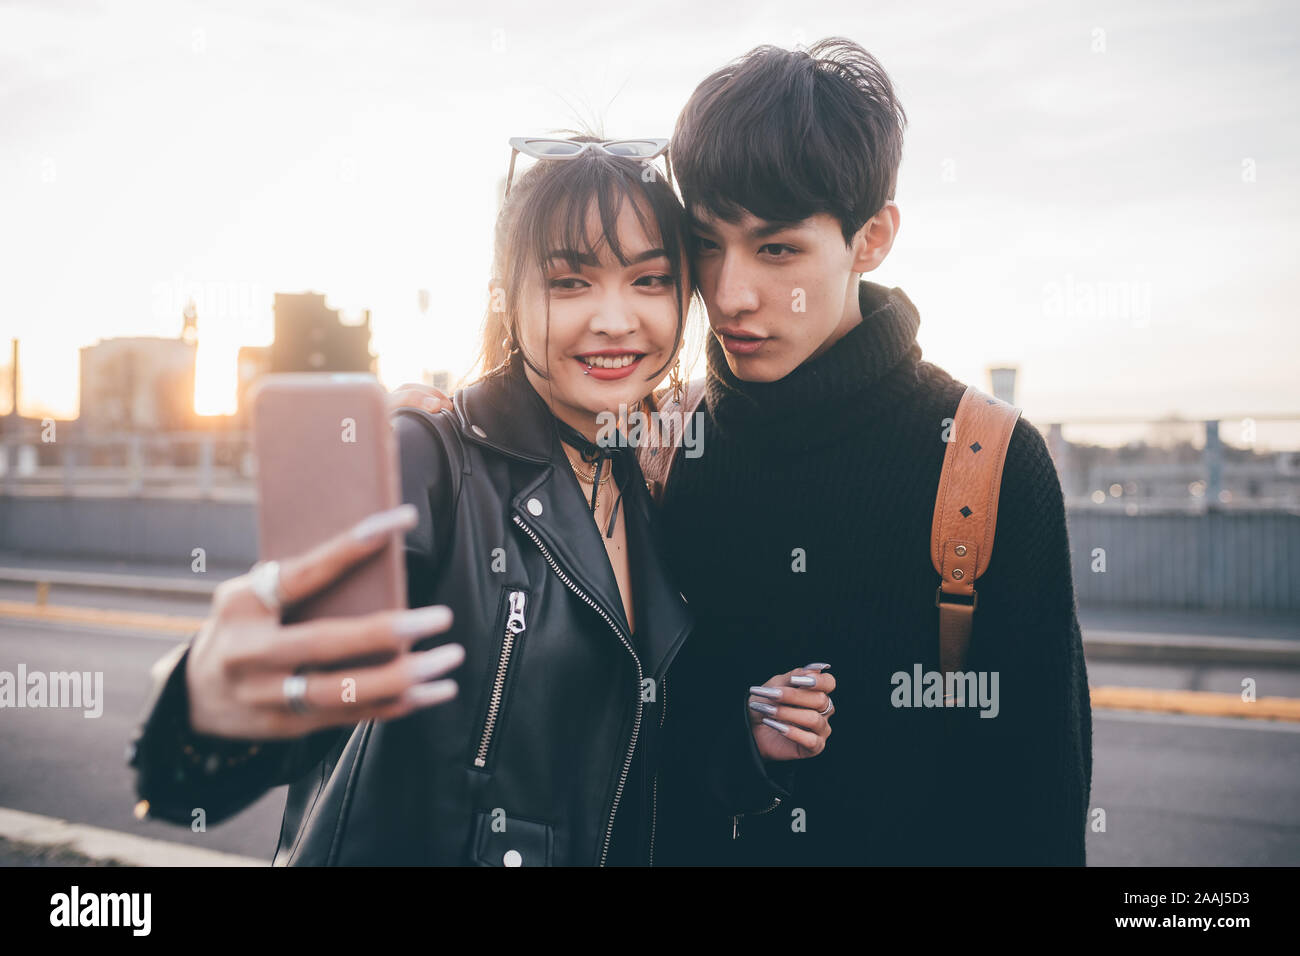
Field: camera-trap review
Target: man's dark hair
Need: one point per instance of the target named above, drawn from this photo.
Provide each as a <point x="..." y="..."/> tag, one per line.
<point x="787" y="134"/>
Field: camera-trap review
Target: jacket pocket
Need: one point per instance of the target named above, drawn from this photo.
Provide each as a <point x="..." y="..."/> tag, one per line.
<point x="512" y="628"/>
<point x="502" y="840"/>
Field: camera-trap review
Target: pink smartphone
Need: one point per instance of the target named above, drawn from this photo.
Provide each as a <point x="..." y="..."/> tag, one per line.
<point x="326" y="458"/>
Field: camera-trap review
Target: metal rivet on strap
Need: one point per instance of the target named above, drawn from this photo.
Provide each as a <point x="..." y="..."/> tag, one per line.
<point x="513" y="858"/>
<point x="958" y="574"/>
<point x="478" y="431"/>
<point x="960" y="549"/>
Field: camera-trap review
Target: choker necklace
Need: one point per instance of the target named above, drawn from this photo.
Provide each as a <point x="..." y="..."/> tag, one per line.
<point x="588" y="478"/>
<point x="601" y="459"/>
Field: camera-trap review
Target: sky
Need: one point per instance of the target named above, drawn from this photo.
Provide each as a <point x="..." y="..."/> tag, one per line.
<point x="1104" y="195"/>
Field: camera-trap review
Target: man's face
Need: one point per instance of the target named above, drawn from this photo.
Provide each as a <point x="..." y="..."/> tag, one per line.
<point x="777" y="293"/>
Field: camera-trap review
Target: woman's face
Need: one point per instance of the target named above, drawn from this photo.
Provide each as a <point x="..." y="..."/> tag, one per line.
<point x="612" y="327"/>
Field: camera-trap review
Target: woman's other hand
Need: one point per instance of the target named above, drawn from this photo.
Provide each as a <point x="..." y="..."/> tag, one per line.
<point x="413" y="395"/>
<point x="790" y="714"/>
<point x="242" y="654"/>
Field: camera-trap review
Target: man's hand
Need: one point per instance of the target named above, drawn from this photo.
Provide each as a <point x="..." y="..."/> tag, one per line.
<point x="790" y="714"/>
<point x="412" y="395"/>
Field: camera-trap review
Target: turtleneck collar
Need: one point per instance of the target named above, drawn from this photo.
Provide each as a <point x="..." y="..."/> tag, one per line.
<point x="814" y="400"/>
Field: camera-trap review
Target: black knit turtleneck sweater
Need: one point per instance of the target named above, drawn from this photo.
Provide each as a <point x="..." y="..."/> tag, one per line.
<point x="839" y="463"/>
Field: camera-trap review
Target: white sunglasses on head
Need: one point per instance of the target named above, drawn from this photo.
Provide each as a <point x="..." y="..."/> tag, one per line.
<point x="543" y="148"/>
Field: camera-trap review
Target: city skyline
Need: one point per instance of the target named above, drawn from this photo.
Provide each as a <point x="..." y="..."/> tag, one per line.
<point x="1106" y="194"/>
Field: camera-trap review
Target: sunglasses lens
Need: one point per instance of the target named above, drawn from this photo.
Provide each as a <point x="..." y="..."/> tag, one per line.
<point x="633" y="147"/>
<point x="551" y="147"/>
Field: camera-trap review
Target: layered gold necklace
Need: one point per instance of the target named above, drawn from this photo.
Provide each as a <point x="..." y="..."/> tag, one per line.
<point x="588" y="477"/>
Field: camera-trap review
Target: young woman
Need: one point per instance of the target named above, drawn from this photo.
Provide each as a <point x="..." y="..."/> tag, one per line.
<point x="540" y="539"/>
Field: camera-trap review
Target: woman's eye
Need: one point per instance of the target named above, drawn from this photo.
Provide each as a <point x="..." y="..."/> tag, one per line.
<point x="655" y="281"/>
<point x="568" y="283"/>
<point x="778" y="250"/>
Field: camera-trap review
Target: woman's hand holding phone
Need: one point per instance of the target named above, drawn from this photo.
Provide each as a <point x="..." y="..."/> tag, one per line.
<point x="238" y="662"/>
<point x="790" y="714"/>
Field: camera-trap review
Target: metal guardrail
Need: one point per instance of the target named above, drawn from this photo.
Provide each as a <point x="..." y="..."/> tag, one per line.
<point x="46" y="579"/>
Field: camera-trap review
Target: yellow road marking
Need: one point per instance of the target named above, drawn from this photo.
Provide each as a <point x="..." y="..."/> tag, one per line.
<point x="1204" y="703"/>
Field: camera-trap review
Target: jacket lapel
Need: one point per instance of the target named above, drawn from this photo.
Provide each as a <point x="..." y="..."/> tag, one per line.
<point x="552" y="506"/>
<point x="663" y="619"/>
<point x="504" y="413"/>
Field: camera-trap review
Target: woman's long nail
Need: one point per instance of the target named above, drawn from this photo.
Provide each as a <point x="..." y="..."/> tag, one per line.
<point x="426" y="664"/>
<point x="803" y="680"/>
<point x="780" y="728"/>
<point x="772" y="692"/>
<point x="425" y="695"/>
<point x="422" y="620"/>
<point x="762" y="707"/>
<point x="385" y="522"/>
<point x="817" y="667"/>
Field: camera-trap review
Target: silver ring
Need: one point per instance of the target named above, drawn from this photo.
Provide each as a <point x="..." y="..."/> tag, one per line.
<point x="830" y="705"/>
<point x="264" y="580"/>
<point x="295" y="693"/>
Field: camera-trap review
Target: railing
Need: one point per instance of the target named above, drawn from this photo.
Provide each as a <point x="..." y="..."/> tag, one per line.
<point x="172" y="465"/>
<point x="1183" y="532"/>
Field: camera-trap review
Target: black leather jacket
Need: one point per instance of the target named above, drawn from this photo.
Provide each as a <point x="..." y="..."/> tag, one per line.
<point x="548" y="753"/>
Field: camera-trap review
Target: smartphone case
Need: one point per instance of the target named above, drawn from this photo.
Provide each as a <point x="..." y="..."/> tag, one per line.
<point x="327" y="458"/>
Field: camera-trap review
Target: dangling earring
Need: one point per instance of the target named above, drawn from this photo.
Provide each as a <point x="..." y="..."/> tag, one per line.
<point x="675" y="383"/>
<point x="507" y="345"/>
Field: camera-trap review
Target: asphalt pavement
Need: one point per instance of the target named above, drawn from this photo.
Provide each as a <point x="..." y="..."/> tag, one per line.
<point x="1177" y="790"/>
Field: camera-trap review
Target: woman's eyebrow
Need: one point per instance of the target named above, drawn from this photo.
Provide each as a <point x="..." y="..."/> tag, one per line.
<point x="587" y="259"/>
<point x="646" y="256"/>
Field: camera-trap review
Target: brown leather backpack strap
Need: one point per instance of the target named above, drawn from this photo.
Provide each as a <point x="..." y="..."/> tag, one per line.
<point x="657" y="459"/>
<point x="966" y="514"/>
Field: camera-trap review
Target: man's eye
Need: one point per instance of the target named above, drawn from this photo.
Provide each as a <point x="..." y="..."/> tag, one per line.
<point x="568" y="283"/>
<point x="778" y="250"/>
<point x="704" y="245"/>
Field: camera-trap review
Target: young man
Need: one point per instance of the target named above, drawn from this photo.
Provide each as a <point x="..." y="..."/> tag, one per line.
<point x="803" y="530"/>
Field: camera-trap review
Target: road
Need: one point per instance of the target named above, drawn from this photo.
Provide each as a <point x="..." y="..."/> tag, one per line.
<point x="63" y="764"/>
<point x="1176" y="790"/>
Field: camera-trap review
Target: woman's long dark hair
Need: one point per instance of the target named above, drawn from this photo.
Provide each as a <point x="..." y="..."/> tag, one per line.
<point x="547" y="209"/>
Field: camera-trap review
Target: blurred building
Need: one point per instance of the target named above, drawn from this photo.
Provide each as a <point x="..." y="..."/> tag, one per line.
<point x="308" y="338"/>
<point x="139" y="383"/>
<point x="1003" y="382"/>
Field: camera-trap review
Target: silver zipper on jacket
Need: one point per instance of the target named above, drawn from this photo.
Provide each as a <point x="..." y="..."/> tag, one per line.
<point x="735" y="820"/>
<point x="514" y="627"/>
<point x="636" y="726"/>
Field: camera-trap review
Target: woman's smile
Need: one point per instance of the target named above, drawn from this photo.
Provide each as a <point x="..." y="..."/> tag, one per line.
<point x="609" y="364"/>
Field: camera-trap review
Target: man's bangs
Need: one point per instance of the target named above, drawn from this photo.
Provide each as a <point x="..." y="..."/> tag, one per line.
<point x="767" y="177"/>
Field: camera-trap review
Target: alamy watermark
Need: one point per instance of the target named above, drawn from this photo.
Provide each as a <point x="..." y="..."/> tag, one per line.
<point x="75" y="908"/>
<point x="57" y="689"/>
<point x="650" y="430"/>
<point x="949" y="689"/>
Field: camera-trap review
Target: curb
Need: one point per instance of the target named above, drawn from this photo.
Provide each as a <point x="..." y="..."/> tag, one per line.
<point x="98" y="843"/>
<point x="114" y="581"/>
<point x="95" y="617"/>
<point x="1190" y="648"/>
